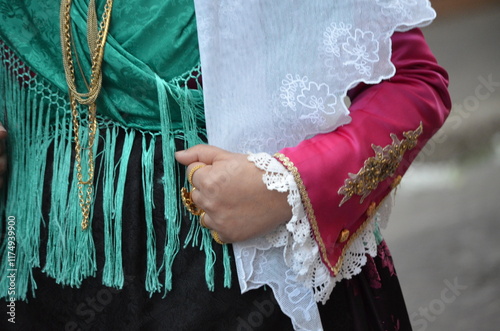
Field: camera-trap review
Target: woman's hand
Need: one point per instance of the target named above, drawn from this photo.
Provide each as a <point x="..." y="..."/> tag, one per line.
<point x="3" y="155"/>
<point x="231" y="192"/>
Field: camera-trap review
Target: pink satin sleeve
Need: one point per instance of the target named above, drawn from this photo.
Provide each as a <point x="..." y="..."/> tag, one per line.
<point x="416" y="95"/>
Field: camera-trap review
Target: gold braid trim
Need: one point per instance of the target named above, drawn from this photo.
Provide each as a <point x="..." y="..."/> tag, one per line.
<point x="308" y="206"/>
<point x="379" y="167"/>
<point x="312" y="218"/>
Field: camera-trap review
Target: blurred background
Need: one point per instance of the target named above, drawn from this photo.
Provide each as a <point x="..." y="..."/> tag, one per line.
<point x="444" y="232"/>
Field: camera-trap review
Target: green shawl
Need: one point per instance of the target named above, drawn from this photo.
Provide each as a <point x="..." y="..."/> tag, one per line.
<point x="151" y="61"/>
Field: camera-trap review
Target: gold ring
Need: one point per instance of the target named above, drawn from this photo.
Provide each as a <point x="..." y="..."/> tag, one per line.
<point x="202" y="223"/>
<point x="191" y="173"/>
<point x="191" y="194"/>
<point x="188" y="202"/>
<point x="216" y="237"/>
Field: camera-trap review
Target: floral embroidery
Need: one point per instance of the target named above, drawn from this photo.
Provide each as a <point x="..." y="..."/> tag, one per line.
<point x="379" y="167"/>
<point x="362" y="48"/>
<point x="318" y="97"/>
<point x="398" y="7"/>
<point x="358" y="49"/>
<point x="288" y="89"/>
<point x="315" y="99"/>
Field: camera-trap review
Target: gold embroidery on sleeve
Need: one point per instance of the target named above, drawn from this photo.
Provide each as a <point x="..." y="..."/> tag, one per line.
<point x="379" y="167"/>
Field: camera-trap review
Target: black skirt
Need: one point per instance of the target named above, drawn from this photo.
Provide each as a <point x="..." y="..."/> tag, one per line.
<point x="371" y="300"/>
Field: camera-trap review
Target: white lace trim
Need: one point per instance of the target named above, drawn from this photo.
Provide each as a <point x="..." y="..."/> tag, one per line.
<point x="300" y="250"/>
<point x="293" y="251"/>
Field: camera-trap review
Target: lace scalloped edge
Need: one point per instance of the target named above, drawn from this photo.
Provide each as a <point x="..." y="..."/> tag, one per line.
<point x="301" y="252"/>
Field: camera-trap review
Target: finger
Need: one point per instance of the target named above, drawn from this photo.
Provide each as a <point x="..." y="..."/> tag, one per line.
<point x="195" y="196"/>
<point x="3" y="132"/>
<point x="193" y="170"/>
<point x="207" y="221"/>
<point x="3" y="165"/>
<point x="3" y="147"/>
<point x="199" y="153"/>
<point x="218" y="238"/>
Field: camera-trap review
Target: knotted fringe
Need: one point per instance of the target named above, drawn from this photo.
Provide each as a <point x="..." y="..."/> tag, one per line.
<point x="191" y="138"/>
<point x="171" y="203"/>
<point x="153" y="283"/>
<point x="108" y="210"/>
<point x="40" y="128"/>
<point x="28" y="145"/>
<point x="113" y="205"/>
<point x="29" y="109"/>
<point x="70" y="254"/>
<point x="191" y="112"/>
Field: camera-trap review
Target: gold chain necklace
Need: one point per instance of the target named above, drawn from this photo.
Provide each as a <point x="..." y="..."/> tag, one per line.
<point x="96" y="40"/>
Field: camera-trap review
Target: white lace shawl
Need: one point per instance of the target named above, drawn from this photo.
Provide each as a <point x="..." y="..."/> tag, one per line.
<point x="274" y="74"/>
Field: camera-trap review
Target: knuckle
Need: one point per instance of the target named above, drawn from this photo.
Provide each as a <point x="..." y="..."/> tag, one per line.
<point x="209" y="206"/>
<point x="204" y="181"/>
<point x="3" y="165"/>
<point x="219" y="223"/>
<point x="212" y="188"/>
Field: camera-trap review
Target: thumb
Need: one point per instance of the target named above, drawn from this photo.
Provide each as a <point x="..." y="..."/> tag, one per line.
<point x="199" y="153"/>
<point x="3" y="132"/>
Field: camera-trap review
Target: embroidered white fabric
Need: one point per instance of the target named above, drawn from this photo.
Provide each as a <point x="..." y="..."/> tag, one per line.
<point x="276" y="73"/>
<point x="288" y="259"/>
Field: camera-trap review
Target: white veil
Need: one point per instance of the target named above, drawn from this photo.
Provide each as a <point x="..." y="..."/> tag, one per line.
<point x="276" y="72"/>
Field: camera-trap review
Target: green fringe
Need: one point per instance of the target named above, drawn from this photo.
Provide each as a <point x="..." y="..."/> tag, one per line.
<point x="118" y="207"/>
<point x="71" y="255"/>
<point x="28" y="146"/>
<point x="3" y="192"/>
<point x="153" y="283"/>
<point x="62" y="166"/>
<point x="113" y="275"/>
<point x="191" y="113"/>
<point x="226" y="260"/>
<point x="108" y="194"/>
<point x="171" y="200"/>
<point x="39" y="123"/>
